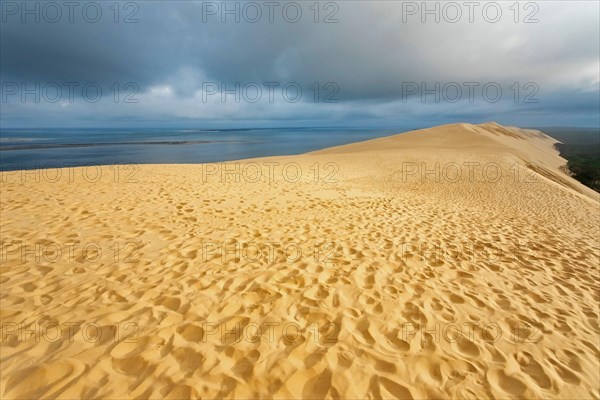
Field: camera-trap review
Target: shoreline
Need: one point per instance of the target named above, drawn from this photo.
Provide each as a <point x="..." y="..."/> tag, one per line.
<point x="16" y="167"/>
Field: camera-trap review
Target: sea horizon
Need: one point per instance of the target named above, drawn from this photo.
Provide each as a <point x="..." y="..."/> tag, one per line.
<point x="25" y="149"/>
<point x="54" y="147"/>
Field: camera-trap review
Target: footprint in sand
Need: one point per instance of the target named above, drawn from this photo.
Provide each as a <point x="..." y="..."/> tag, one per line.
<point x="534" y="369"/>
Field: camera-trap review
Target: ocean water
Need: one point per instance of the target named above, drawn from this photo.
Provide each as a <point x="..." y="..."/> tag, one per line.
<point x="51" y="148"/>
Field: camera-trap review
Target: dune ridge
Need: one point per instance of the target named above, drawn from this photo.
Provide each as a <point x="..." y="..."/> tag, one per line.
<point x="459" y="261"/>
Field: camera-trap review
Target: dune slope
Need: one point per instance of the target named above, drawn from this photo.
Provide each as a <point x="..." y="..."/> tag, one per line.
<point x="459" y="261"/>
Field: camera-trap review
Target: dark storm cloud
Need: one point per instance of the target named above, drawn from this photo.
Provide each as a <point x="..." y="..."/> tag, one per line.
<point x="371" y="54"/>
<point x="81" y="51"/>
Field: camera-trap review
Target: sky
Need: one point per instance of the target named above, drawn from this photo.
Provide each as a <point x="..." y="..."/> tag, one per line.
<point x="387" y="64"/>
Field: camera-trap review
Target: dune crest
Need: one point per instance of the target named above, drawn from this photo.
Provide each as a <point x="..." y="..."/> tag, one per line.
<point x="459" y="261"/>
<point x="534" y="149"/>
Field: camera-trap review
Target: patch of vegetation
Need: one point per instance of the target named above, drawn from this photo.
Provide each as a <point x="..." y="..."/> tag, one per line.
<point x="581" y="148"/>
<point x="586" y="170"/>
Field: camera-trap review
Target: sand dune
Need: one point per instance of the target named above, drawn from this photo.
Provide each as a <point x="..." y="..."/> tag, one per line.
<point x="454" y="262"/>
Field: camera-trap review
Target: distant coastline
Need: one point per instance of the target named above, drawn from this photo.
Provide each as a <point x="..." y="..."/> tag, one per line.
<point x="26" y="149"/>
<point x="66" y="145"/>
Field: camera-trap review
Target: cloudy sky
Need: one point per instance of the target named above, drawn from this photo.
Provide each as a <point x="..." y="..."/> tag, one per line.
<point x="305" y="63"/>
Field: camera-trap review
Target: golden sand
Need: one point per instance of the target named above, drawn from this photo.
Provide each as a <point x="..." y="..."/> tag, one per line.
<point x="454" y="262"/>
